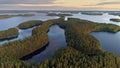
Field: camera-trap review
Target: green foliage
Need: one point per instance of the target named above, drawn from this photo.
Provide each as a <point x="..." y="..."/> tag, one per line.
<point x="72" y="58"/>
<point x="107" y="28"/>
<point x="8" y="34"/>
<point x="83" y="50"/>
<point x="78" y="35"/>
<point x="15" y="50"/>
<point x="60" y="15"/>
<point x="29" y="24"/>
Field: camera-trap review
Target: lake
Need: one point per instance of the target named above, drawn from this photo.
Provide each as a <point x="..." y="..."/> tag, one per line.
<point x="109" y="41"/>
<point x="15" y="21"/>
<point x="105" y="18"/>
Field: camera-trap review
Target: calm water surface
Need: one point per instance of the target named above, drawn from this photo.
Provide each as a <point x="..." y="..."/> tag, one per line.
<point x="105" y="18"/>
<point x="15" y="21"/>
<point x="109" y="41"/>
<point x="56" y="40"/>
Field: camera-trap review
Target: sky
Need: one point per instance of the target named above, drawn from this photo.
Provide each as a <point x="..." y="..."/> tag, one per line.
<point x="59" y="4"/>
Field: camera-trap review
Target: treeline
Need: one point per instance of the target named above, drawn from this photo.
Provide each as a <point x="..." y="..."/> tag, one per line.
<point x="19" y="15"/>
<point x="71" y="58"/>
<point x="83" y="49"/>
<point x="78" y="34"/>
<point x="8" y="34"/>
<point x="107" y="28"/>
<point x="13" y="51"/>
<point x="92" y="13"/>
<point x="114" y="13"/>
<point x="29" y="24"/>
<point x="60" y="14"/>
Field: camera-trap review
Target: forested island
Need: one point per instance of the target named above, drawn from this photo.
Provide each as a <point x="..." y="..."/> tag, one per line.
<point x="114" y="13"/>
<point x="29" y="24"/>
<point x="8" y="34"/>
<point x="115" y="20"/>
<point x="60" y="15"/>
<point x="83" y="50"/>
<point x="19" y="15"/>
<point x="92" y="13"/>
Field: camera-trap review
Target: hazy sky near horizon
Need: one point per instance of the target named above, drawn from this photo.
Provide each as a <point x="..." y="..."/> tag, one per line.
<point x="58" y="4"/>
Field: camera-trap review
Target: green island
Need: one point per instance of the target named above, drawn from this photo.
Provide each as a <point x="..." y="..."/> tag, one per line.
<point x="115" y="20"/>
<point x="60" y="15"/>
<point x="19" y="15"/>
<point x="92" y="13"/>
<point x="83" y="50"/>
<point x="29" y="24"/>
<point x="8" y="34"/>
<point x="114" y="13"/>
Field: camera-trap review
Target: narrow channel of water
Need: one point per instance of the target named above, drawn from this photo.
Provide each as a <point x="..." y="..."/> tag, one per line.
<point x="22" y="35"/>
<point x="56" y="40"/>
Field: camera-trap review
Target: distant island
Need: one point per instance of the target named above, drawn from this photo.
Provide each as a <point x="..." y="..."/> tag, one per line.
<point x="19" y="15"/>
<point x="92" y="13"/>
<point x="59" y="14"/>
<point x="115" y="20"/>
<point x="114" y="13"/>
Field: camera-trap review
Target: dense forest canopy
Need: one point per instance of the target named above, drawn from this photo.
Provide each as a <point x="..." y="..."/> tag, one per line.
<point x="8" y="34"/>
<point x="83" y="50"/>
<point x="29" y="24"/>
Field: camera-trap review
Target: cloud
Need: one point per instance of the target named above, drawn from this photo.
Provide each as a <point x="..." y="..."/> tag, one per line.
<point x="26" y="1"/>
<point x="58" y="4"/>
<point x="105" y="2"/>
<point x="29" y="7"/>
<point x="108" y="3"/>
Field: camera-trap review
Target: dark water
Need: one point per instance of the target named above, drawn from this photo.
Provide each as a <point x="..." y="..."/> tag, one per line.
<point x="56" y="40"/>
<point x="109" y="41"/>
